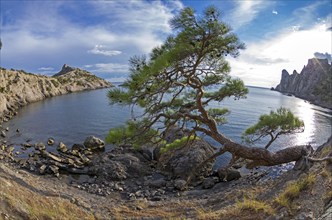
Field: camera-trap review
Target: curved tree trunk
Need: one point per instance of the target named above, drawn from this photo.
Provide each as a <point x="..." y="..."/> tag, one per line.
<point x="262" y="156"/>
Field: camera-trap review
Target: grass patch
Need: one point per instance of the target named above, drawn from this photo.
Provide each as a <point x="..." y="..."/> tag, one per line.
<point x="255" y="205"/>
<point x="24" y="203"/>
<point x="293" y="190"/>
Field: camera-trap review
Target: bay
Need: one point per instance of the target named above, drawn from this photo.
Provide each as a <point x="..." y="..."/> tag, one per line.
<point x="71" y="118"/>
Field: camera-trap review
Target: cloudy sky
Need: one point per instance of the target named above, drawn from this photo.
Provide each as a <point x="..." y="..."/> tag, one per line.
<point x="100" y="36"/>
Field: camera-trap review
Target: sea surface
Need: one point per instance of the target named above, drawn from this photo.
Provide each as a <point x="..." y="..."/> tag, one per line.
<point x="71" y="118"/>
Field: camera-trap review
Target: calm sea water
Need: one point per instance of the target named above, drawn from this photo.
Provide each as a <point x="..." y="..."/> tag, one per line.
<point x="71" y="118"/>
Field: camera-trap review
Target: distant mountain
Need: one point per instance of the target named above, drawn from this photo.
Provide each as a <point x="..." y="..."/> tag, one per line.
<point x="314" y="83"/>
<point x="18" y="88"/>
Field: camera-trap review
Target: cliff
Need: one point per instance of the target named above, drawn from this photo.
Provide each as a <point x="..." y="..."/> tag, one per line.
<point x="314" y="83"/>
<point x="18" y="88"/>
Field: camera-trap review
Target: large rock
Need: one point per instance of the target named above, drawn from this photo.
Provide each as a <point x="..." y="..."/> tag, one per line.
<point x="181" y="162"/>
<point x="92" y="143"/>
<point x="120" y="164"/>
<point x="312" y="84"/>
<point x="228" y="174"/>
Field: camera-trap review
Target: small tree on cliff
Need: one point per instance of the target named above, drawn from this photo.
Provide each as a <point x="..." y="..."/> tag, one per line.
<point x="174" y="86"/>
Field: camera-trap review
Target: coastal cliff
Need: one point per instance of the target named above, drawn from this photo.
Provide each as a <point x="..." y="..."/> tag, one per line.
<point x="314" y="83"/>
<point x="18" y="88"/>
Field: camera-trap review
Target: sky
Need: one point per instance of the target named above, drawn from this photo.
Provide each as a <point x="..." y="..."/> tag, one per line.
<point x="101" y="36"/>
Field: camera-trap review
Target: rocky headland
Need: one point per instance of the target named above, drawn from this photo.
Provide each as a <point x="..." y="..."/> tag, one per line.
<point x="19" y="88"/>
<point x="313" y="83"/>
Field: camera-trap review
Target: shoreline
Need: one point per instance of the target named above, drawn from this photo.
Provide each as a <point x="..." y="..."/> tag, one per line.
<point x="19" y="88"/>
<point x="303" y="98"/>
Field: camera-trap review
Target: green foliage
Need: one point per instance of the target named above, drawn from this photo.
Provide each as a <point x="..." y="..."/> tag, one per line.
<point x="132" y="134"/>
<point x="171" y="84"/>
<point x="281" y="122"/>
<point x="178" y="143"/>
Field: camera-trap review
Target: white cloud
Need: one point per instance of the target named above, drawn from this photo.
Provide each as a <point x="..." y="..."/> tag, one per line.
<point x="98" y="49"/>
<point x="46" y="68"/>
<point x="107" y="68"/>
<point x="262" y="62"/>
<point x="274" y="12"/>
<point x="43" y="33"/>
<point x="246" y="11"/>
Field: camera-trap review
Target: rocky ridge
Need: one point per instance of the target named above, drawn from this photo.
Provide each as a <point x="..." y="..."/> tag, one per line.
<point x="19" y="88"/>
<point x="313" y="84"/>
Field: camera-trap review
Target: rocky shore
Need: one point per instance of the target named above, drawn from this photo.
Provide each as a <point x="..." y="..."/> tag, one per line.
<point x="124" y="183"/>
<point x="19" y="88"/>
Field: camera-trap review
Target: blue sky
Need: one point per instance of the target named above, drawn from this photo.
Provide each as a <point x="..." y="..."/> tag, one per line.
<point x="100" y="36"/>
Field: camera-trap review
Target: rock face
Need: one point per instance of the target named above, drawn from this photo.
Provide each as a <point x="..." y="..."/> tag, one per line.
<point x="18" y="88"/>
<point x="181" y="162"/>
<point x="314" y="83"/>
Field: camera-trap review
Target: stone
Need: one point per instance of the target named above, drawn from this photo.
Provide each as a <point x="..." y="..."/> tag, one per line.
<point x="55" y="170"/>
<point x="208" y="183"/>
<point x="7" y="129"/>
<point x="62" y="147"/>
<point x="158" y="183"/>
<point x="94" y="143"/>
<point x="50" y="141"/>
<point x="228" y="174"/>
<point x="42" y="169"/>
<point x="180" y="184"/>
<point x="181" y="162"/>
<point x="3" y="134"/>
<point x="78" y="147"/>
<point x="40" y="146"/>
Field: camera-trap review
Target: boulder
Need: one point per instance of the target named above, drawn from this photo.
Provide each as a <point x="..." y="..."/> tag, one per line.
<point x="40" y="146"/>
<point x="62" y="147"/>
<point x="92" y="143"/>
<point x="228" y="174"/>
<point x="182" y="162"/>
<point x="50" y="141"/>
<point x="120" y="164"/>
<point x="180" y="184"/>
<point x="208" y="183"/>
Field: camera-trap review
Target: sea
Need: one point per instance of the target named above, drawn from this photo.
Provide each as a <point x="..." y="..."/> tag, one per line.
<point x="71" y="118"/>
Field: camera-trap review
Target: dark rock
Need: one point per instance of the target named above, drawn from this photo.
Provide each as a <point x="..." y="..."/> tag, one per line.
<point x="40" y="146"/>
<point x="55" y="170"/>
<point x="78" y="147"/>
<point x="65" y="69"/>
<point x="120" y="164"/>
<point x="181" y="162"/>
<point x="92" y="143"/>
<point x="180" y="184"/>
<point x="208" y="183"/>
<point x="158" y="183"/>
<point x="228" y="174"/>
